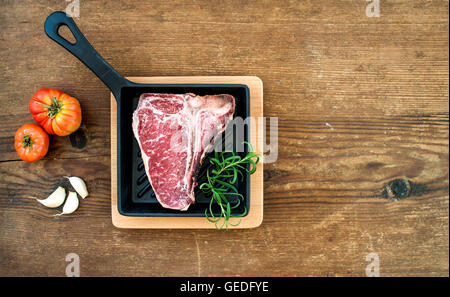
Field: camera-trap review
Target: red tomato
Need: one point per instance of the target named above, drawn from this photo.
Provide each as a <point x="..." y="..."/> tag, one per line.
<point x="57" y="112"/>
<point x="31" y="142"/>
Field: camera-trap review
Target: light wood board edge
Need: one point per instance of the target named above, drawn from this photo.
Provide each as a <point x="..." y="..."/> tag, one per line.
<point x="254" y="217"/>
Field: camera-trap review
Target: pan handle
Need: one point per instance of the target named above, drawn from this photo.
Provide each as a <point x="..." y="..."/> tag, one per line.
<point x="84" y="51"/>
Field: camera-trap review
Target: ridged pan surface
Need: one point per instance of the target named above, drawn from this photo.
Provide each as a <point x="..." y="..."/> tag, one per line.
<point x="142" y="200"/>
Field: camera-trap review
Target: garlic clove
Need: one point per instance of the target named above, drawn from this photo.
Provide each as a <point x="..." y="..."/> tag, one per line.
<point x="71" y="204"/>
<point x="79" y="185"/>
<point x="55" y="199"/>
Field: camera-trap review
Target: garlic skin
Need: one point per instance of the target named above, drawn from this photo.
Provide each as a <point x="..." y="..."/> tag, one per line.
<point x="55" y="199"/>
<point x="71" y="204"/>
<point x="79" y="185"/>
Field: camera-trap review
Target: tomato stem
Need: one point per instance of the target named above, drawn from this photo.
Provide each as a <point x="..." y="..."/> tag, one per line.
<point x="54" y="108"/>
<point x="26" y="142"/>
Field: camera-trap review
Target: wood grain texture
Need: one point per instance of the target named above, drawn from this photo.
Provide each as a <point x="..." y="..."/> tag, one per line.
<point x="362" y="107"/>
<point x="255" y="215"/>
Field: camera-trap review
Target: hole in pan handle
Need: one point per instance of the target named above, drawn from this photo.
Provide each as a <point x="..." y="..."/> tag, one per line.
<point x="84" y="51"/>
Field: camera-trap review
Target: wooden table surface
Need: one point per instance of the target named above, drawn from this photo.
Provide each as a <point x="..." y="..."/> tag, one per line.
<point x="363" y="115"/>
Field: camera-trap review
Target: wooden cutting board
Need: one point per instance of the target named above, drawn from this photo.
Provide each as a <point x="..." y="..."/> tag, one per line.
<point x="254" y="217"/>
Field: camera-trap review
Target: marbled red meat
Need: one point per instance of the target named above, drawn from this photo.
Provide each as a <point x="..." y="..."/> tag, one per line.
<point x="174" y="133"/>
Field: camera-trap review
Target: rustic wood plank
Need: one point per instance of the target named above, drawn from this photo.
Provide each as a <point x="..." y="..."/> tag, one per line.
<point x="363" y="117"/>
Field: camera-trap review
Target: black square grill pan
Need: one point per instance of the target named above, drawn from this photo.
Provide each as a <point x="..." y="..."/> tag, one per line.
<point x="135" y="197"/>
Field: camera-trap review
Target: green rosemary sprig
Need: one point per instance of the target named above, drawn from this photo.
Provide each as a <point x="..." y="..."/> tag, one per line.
<point x="220" y="185"/>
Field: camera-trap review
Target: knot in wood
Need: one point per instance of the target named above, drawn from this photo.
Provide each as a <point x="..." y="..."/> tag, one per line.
<point x="397" y="189"/>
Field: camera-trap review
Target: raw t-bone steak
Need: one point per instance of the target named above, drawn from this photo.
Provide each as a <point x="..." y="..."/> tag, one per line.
<point x="174" y="133"/>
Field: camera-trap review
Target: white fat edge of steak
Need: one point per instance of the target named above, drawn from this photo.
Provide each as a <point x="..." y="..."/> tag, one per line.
<point x="193" y="108"/>
<point x="227" y="106"/>
<point x="220" y="105"/>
